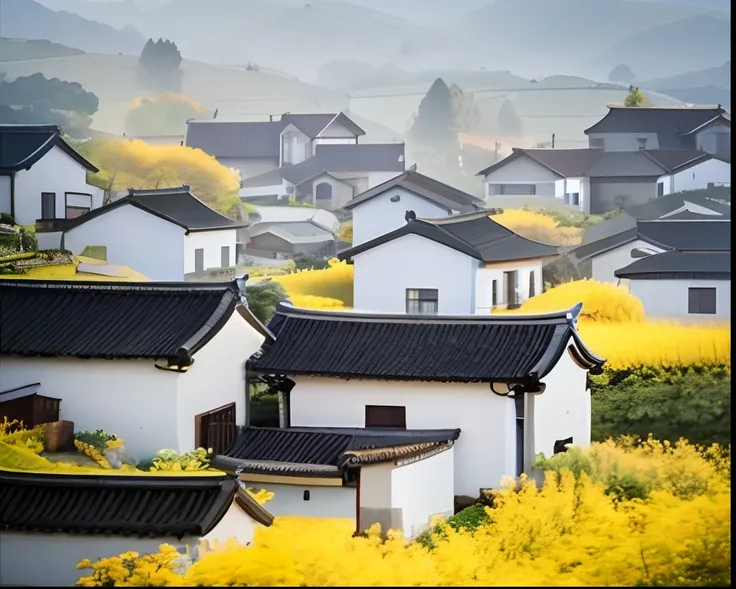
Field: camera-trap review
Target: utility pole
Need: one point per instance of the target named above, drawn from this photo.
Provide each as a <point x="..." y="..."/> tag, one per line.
<point x="553" y="140"/>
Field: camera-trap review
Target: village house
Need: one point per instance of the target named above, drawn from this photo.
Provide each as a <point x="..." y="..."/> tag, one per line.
<point x="162" y="233"/>
<point x="460" y="265"/>
<point x="397" y="477"/>
<point x="706" y="128"/>
<point x="382" y="209"/>
<point x="694" y="286"/>
<point x="162" y="365"/>
<point x="384" y="416"/>
<point x="596" y="181"/>
<point x="290" y="239"/>
<point x="601" y="259"/>
<point x="42" y="177"/>
<point x="61" y="519"/>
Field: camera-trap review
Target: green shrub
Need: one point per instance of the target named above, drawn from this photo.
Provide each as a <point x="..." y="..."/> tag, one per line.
<point x="694" y="404"/>
<point x="469" y="518"/>
<point x="7" y="219"/>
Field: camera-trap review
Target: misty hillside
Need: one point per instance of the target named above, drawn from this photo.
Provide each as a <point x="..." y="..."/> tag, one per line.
<point x="27" y="19"/>
<point x="713" y="76"/>
<point x="514" y="34"/>
<point x="692" y="43"/>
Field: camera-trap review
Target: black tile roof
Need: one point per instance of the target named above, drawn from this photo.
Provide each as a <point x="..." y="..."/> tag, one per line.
<point x="701" y="235"/>
<point x="371" y="157"/>
<point x="114" y="505"/>
<point x="21" y="146"/>
<point x="424" y="186"/>
<point x="679" y="265"/>
<point x="326" y="452"/>
<point x="260" y="139"/>
<point x="474" y="234"/>
<point x="669" y="123"/>
<point x="501" y="348"/>
<point x="175" y="205"/>
<point x="597" y="163"/>
<point x="112" y="320"/>
<point x="294" y="232"/>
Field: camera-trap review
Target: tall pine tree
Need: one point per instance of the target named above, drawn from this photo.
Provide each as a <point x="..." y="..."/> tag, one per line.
<point x="434" y="124"/>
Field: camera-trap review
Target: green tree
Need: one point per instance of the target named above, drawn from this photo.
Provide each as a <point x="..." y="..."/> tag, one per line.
<point x="263" y="297"/>
<point x="465" y="110"/>
<point x="158" y="65"/>
<point x="434" y="124"/>
<point x="634" y="98"/>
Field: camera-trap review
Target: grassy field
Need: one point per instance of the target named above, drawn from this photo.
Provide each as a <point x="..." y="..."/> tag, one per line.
<point x="236" y="93"/>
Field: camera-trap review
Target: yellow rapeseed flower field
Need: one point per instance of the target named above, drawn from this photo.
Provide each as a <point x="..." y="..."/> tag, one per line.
<point x="335" y="282"/>
<point x="538" y="227"/>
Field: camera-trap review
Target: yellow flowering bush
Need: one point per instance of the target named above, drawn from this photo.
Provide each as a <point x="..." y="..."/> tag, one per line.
<point x="91" y="451"/>
<point x="571" y="531"/>
<point x="313" y="302"/>
<point x="170" y="460"/>
<point x="15" y="433"/>
<point x="602" y="302"/>
<point x="538" y="227"/>
<point x="132" y="570"/>
<point x="335" y="282"/>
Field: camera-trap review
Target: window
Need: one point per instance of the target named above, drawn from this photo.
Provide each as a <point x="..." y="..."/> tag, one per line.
<point x="48" y="205"/>
<point x="575" y="199"/>
<point x="225" y="256"/>
<point x="286" y="149"/>
<point x="323" y="191"/>
<point x="512" y="189"/>
<point x="379" y="416"/>
<point x="215" y="429"/>
<point x="660" y="189"/>
<point x="74" y="212"/>
<point x="597" y="143"/>
<point x="532" y="286"/>
<point x="422" y="301"/>
<point x="306" y="495"/>
<point x="199" y="260"/>
<point x="494" y="293"/>
<point x="701" y="301"/>
<point x="642" y="142"/>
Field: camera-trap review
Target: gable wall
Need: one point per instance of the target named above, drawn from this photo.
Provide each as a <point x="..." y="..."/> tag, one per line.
<point x="382" y="275"/>
<point x="697" y="177"/>
<point x="624" y="141"/>
<point x="54" y="172"/>
<point x="715" y="139"/>
<point x="605" y="264"/>
<point x="378" y="216"/>
<point x="136" y="239"/>
<point x="212" y="243"/>
<point x="522" y="170"/>
<point x="669" y="299"/>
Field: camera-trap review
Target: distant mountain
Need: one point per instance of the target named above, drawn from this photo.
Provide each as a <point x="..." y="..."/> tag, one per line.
<point x="27" y="19"/>
<point x="721" y="5"/>
<point x="713" y="76"/>
<point x="560" y="34"/>
<point x="703" y="95"/>
<point x="692" y="43"/>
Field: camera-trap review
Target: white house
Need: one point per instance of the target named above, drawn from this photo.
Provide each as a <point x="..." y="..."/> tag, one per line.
<point x="596" y="181"/>
<point x="381" y="209"/>
<point x="706" y="128"/>
<point x="461" y="265"/>
<point x="685" y="286"/>
<point x="164" y="233"/>
<point x="400" y="478"/>
<point x="42" y="177"/>
<point x="698" y="233"/>
<point x="162" y="365"/>
<point x="67" y="518"/>
<point x="502" y="388"/>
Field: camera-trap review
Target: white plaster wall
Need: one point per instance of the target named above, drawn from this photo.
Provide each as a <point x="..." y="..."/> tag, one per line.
<point x="336" y="130"/>
<point x="130" y="398"/>
<point x="697" y="177"/>
<point x="382" y="275"/>
<point x="625" y="141"/>
<point x="133" y="238"/>
<point x="49" y="240"/>
<point x="217" y="377"/>
<point x="50" y="560"/>
<point x="484" y="451"/>
<point x="54" y="172"/>
<point x="249" y="167"/>
<point x="667" y="299"/>
<point x="563" y="410"/>
<point x="236" y="524"/>
<point x="376" y="178"/>
<point x="605" y="264"/>
<point x="210" y="242"/>
<point x="424" y="489"/>
<point x="263" y="191"/>
<point x="375" y="487"/>
<point x="5" y="194"/>
<point x="707" y="139"/>
<point x="379" y="215"/>
<point x="490" y="272"/>
<point x="324" y="502"/>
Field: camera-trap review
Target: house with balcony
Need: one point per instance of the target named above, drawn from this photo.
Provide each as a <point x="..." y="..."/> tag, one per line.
<point x="597" y="181"/>
<point x="457" y="265"/>
<point x="704" y="128"/>
<point x="42" y="177"/>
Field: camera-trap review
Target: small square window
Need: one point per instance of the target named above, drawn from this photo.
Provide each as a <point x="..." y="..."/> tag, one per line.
<point x="422" y="301"/>
<point x="385" y="416"/>
<point x="701" y="301"/>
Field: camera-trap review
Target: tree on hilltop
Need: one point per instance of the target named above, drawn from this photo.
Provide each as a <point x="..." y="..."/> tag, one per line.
<point x="621" y="73"/>
<point x="159" y="65"/>
<point x="434" y="123"/>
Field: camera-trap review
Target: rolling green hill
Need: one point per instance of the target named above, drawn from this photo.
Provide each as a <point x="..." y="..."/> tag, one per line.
<point x="18" y="49"/>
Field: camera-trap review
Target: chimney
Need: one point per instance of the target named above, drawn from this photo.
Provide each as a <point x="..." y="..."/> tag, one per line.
<point x="410" y="216"/>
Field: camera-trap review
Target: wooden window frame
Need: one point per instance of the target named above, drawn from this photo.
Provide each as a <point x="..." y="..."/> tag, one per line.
<point x="375" y="416"/>
<point x="198" y="419"/>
